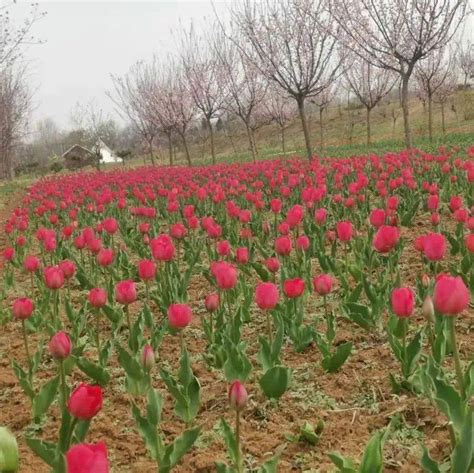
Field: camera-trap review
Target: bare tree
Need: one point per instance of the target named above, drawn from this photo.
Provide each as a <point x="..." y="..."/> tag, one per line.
<point x="369" y="84"/>
<point x="465" y="61"/>
<point x="445" y="91"/>
<point x="130" y="96"/>
<point x="15" y="108"/>
<point x="14" y="37"/>
<point x="280" y="110"/>
<point x="245" y="88"/>
<point x="173" y="104"/>
<point x="322" y="101"/>
<point x="293" y="43"/>
<point x="431" y="73"/>
<point x="204" y="78"/>
<point x="396" y="34"/>
<point x="96" y="125"/>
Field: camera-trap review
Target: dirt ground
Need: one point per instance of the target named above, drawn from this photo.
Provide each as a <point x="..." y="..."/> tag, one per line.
<point x="353" y="403"/>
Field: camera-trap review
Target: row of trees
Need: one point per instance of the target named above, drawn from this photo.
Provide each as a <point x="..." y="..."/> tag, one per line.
<point x="276" y="56"/>
<point x="15" y="92"/>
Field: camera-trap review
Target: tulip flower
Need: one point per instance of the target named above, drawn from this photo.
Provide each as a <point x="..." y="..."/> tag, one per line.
<point x="283" y="245"/>
<point x="266" y="296"/>
<point x="434" y="246"/>
<point x="60" y="347"/>
<point x="451" y="297"/>
<point x="293" y="287"/>
<point x="179" y="316"/>
<point x="225" y="274"/>
<point x="403" y="301"/>
<point x="126" y="294"/>
<point x="23" y="309"/>
<point x="87" y="458"/>
<point x="238" y="399"/>
<point x="85" y="401"/>
<point x="212" y="302"/>
<point x="386" y="238"/>
<point x="147" y="358"/>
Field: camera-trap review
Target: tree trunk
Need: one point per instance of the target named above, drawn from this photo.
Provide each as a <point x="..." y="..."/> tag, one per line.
<point x="368" y="126"/>
<point x="321" y="129"/>
<point x="211" y="136"/>
<point x="283" y="144"/>
<point x="152" y="157"/>
<point x="304" y="124"/>
<point x="405" y="108"/>
<point x="186" y="149"/>
<point x="170" y="149"/>
<point x="443" y="123"/>
<point x="430" y="117"/>
<point x="251" y="142"/>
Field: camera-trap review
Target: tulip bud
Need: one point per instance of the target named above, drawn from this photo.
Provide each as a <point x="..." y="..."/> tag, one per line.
<point x="179" y="316"/>
<point x="97" y="297"/>
<point x="9" y="461"/>
<point x="212" y="302"/>
<point x="237" y="395"/>
<point x="428" y="309"/>
<point x="60" y="346"/>
<point x="425" y="280"/>
<point x="148" y="357"/>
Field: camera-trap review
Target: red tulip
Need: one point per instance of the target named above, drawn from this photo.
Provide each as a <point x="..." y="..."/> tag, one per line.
<point x="377" y="217"/>
<point x="323" y="284"/>
<point x="469" y="242"/>
<point x="31" y="264"/>
<point x="320" y="216"/>
<point x="266" y="295"/>
<point x="97" y="297"/>
<point x="242" y="255"/>
<point x="302" y="242"/>
<point x="162" y="248"/>
<point x="225" y="274"/>
<point x="178" y="231"/>
<point x="451" y="296"/>
<point x="223" y="248"/>
<point x="147" y="357"/>
<point x="68" y="268"/>
<point x="272" y="264"/>
<point x="8" y="254"/>
<point x="22" y="308"/>
<point x="283" y="246"/>
<point x="146" y="270"/>
<point x="60" y="345"/>
<point x="344" y="231"/>
<point x="275" y="205"/>
<point x="386" y="238"/>
<point x="125" y="292"/>
<point x="403" y="301"/>
<point x="110" y="225"/>
<point x="85" y="401"/>
<point x="105" y="257"/>
<point x="53" y="277"/>
<point x="434" y="246"/>
<point x="295" y="215"/>
<point x="237" y="395"/>
<point x="87" y="458"/>
<point x="179" y="315"/>
<point x="293" y="287"/>
<point x="212" y="302"/>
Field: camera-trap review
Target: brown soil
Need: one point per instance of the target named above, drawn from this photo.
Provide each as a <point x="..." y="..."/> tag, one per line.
<point x="353" y="402"/>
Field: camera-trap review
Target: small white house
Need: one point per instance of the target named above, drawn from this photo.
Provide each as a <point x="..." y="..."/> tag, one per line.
<point x="108" y="156"/>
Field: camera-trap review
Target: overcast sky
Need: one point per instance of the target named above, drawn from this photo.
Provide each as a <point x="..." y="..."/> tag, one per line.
<point x="86" y="41"/>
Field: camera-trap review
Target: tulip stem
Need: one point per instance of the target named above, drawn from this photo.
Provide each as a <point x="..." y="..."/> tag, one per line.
<point x="239" y="465"/>
<point x="32" y="279"/>
<point x="457" y="361"/>
<point x="70" y="433"/>
<point x="127" y="315"/>
<point x="25" y="339"/>
<point x="97" y="332"/>
<point x="62" y="376"/>
<point x="269" y="327"/>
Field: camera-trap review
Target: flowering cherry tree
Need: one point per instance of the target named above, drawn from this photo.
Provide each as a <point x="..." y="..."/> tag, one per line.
<point x="292" y="43"/>
<point x="396" y="34"/>
<point x="431" y="74"/>
<point x="369" y="84"/>
<point x="204" y="78"/>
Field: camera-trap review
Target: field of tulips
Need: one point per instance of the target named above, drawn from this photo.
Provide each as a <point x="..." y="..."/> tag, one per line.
<point x="276" y="316"/>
